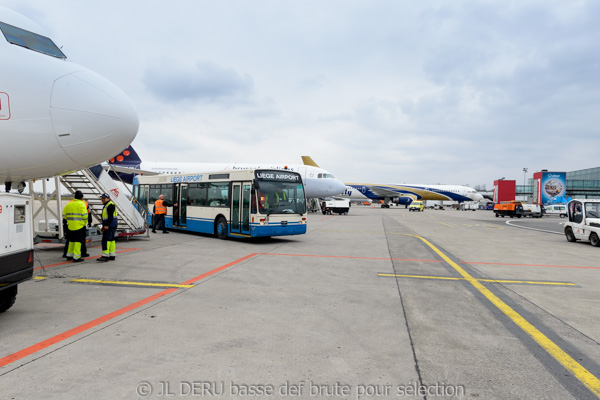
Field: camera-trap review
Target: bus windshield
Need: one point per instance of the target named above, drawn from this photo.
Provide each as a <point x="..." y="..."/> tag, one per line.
<point x="280" y="198"/>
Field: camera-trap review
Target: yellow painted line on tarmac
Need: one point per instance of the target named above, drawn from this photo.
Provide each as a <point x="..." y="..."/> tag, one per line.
<point x="578" y="370"/>
<point x="449" y="278"/>
<point x="129" y="283"/>
<point x="39" y="278"/>
<point x="493" y="226"/>
<point x="451" y="226"/>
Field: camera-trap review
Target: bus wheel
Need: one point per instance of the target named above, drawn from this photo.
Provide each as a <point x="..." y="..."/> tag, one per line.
<point x="8" y="298"/>
<point x="594" y="240"/>
<point x="221" y="228"/>
<point x="569" y="234"/>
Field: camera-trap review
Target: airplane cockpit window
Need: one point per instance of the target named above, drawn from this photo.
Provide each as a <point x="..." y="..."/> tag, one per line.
<point x="30" y="40"/>
<point x="319" y="176"/>
<point x="328" y="176"/>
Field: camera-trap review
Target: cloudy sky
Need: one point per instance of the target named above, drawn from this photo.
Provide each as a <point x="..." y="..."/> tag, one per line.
<point x="382" y="91"/>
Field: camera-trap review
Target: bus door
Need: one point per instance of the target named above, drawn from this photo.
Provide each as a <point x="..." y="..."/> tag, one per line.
<point x="182" y="200"/>
<point x="240" y="207"/>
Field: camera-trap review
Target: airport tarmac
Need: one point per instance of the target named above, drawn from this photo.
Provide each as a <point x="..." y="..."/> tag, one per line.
<point x="378" y="304"/>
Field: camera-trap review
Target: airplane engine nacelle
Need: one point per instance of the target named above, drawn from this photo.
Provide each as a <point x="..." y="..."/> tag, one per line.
<point x="404" y="201"/>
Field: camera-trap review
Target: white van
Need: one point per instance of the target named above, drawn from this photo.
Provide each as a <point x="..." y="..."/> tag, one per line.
<point x="532" y="210"/>
<point x="556" y="209"/>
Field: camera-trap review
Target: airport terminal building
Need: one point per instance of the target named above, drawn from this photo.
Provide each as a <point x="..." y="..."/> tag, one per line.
<point x="580" y="184"/>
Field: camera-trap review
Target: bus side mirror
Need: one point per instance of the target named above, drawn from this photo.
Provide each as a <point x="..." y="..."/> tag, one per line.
<point x="256" y="185"/>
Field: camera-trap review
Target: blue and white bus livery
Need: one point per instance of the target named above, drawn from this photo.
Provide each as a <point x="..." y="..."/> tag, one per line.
<point x="232" y="203"/>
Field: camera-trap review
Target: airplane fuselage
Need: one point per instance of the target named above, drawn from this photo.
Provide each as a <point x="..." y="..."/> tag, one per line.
<point x="55" y="115"/>
<point x="317" y="181"/>
<point x="406" y="193"/>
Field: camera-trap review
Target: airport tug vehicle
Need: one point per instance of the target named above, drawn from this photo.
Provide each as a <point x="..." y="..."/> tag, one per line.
<point x="584" y="221"/>
<point x="16" y="246"/>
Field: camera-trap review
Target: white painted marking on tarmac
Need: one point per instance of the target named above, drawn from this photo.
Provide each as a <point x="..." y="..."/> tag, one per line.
<point x="533" y="229"/>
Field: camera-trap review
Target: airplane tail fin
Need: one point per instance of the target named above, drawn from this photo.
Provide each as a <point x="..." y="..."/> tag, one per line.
<point x="126" y="158"/>
<point x="129" y="160"/>
<point x="307" y="160"/>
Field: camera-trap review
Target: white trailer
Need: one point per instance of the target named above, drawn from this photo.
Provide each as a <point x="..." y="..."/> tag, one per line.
<point x="584" y="221"/>
<point x="335" y="205"/>
<point x="16" y="245"/>
<point x="468" y="205"/>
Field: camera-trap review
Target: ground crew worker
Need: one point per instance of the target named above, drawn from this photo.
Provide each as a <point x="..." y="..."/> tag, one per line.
<point x="76" y="214"/>
<point x="274" y="199"/>
<point x="84" y="252"/>
<point x="109" y="228"/>
<point x="281" y="196"/>
<point x="160" y="211"/>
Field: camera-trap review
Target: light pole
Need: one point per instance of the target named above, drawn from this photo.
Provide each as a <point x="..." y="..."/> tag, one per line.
<point x="524" y="175"/>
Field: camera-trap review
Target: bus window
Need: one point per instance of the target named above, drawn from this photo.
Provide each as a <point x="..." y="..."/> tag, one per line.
<point x="197" y="194"/>
<point x="246" y="207"/>
<point x="167" y="190"/>
<point x="154" y="193"/>
<point x="143" y="195"/>
<point x="218" y="193"/>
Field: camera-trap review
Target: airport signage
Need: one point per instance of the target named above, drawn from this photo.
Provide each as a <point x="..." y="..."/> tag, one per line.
<point x="549" y="185"/>
<point x="186" y="178"/>
<point x="277" y="176"/>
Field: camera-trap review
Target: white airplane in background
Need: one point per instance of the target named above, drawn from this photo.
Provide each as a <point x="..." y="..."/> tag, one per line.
<point x="317" y="181"/>
<point x="405" y="193"/>
<point x="55" y="115"/>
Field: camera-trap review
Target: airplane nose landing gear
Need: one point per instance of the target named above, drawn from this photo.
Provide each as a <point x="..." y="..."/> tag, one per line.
<point x="20" y="187"/>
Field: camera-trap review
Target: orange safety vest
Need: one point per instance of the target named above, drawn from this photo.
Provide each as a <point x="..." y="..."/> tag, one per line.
<point x="159" y="208"/>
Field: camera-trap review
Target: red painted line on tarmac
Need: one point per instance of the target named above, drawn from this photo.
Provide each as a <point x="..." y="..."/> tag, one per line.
<point x="221" y="268"/>
<point x="323" y="219"/>
<point x="87" y="258"/>
<point x="81" y="328"/>
<point x="91" y="324"/>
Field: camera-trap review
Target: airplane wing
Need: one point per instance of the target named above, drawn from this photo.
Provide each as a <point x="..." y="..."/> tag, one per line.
<point x="383" y="191"/>
<point x="387" y="191"/>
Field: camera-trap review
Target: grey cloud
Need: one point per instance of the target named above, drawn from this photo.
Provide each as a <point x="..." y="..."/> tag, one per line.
<point x="205" y="81"/>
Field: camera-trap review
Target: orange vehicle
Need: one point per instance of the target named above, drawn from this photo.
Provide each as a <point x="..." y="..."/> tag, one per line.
<point x="510" y="208"/>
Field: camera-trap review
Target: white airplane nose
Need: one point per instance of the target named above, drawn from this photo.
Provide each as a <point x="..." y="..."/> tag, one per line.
<point x="477" y="197"/>
<point x="93" y="119"/>
<point x="337" y="187"/>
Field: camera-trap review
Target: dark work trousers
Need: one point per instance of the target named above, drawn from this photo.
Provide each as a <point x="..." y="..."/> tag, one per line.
<point x="159" y="222"/>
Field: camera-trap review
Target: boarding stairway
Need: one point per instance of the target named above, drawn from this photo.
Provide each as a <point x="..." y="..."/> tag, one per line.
<point x="92" y="182"/>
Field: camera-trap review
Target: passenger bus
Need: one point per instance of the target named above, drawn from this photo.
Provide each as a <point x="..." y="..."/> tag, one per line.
<point x="238" y="203"/>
